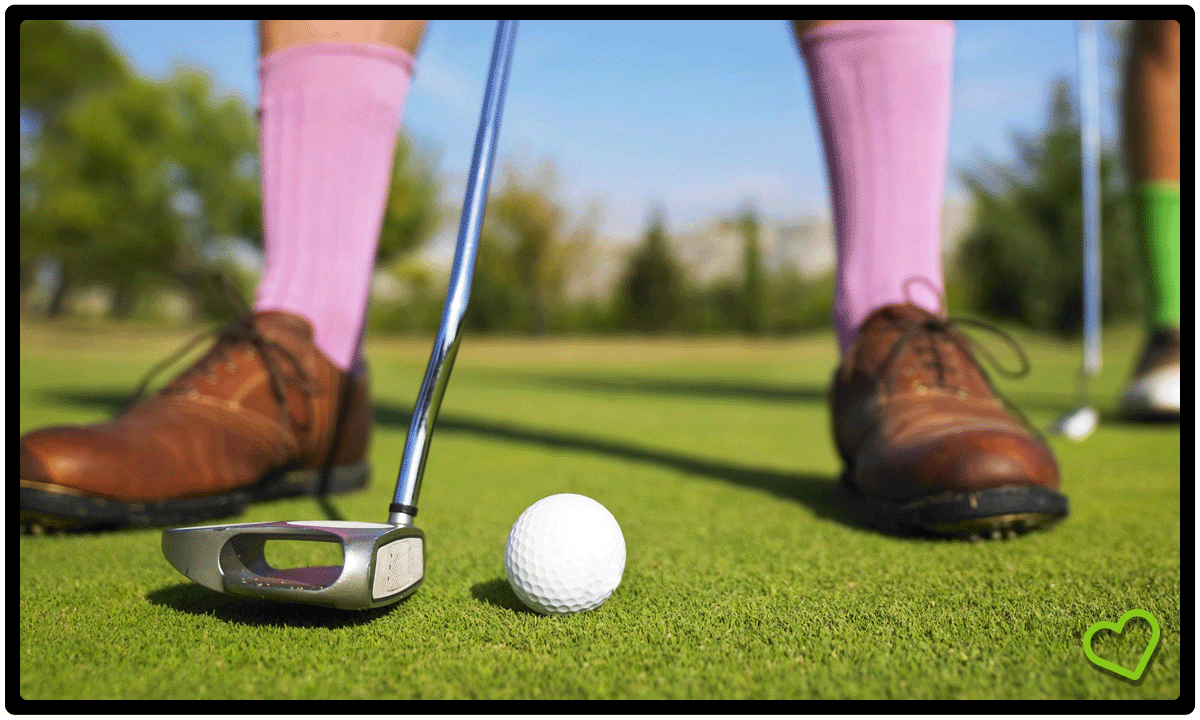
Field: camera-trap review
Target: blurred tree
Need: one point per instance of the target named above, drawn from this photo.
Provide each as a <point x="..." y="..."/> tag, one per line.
<point x="412" y="303"/>
<point x="99" y="196"/>
<point x="526" y="215"/>
<point x="130" y="184"/>
<point x="527" y="253"/>
<point x="498" y="302"/>
<point x="413" y="211"/>
<point x="717" y="307"/>
<point x="755" y="319"/>
<point x="798" y="303"/>
<point x="750" y="308"/>
<point x="1023" y="258"/>
<point x="650" y="295"/>
<point x="60" y="62"/>
<point x="212" y="168"/>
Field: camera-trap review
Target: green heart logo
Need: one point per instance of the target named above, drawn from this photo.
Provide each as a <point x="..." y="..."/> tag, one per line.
<point x="1117" y="627"/>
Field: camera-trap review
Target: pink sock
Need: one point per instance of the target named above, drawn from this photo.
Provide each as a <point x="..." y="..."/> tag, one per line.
<point x="330" y="115"/>
<point x="882" y="91"/>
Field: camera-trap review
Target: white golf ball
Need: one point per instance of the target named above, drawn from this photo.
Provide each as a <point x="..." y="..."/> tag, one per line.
<point x="565" y="554"/>
<point x="1079" y="424"/>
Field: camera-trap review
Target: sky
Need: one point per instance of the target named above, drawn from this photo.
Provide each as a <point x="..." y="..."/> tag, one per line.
<point x="697" y="117"/>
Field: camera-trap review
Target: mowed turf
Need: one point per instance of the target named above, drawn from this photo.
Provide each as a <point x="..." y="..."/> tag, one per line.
<point x="743" y="579"/>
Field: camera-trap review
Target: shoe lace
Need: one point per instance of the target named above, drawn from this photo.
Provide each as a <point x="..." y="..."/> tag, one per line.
<point x="932" y="328"/>
<point x="240" y="331"/>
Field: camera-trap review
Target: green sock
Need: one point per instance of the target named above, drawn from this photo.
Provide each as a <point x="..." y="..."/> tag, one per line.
<point x="1156" y="222"/>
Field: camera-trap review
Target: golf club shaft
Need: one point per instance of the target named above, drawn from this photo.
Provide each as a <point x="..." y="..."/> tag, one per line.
<point x="1089" y="132"/>
<point x="445" y="347"/>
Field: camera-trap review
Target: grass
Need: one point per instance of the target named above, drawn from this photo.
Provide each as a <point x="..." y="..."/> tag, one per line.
<point x="743" y="579"/>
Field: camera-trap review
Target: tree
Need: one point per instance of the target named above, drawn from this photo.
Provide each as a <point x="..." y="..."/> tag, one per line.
<point x="651" y="291"/>
<point x="213" y="172"/>
<point x="60" y="62"/>
<point x="526" y="215"/>
<point x="1022" y="260"/>
<point x="99" y="199"/>
<point x="131" y="184"/>
<point x="751" y="310"/>
<point x="126" y="182"/>
<point x="497" y="301"/>
<point x="412" y="213"/>
<point x="527" y="253"/>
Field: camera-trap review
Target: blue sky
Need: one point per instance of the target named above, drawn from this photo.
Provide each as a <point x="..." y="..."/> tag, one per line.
<point x="695" y="116"/>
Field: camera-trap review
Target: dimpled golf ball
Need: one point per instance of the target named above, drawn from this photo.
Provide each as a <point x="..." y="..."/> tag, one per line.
<point x="565" y="554"/>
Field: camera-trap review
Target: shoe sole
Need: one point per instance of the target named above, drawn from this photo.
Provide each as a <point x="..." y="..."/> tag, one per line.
<point x="53" y="507"/>
<point x="991" y="514"/>
<point x="1150" y="415"/>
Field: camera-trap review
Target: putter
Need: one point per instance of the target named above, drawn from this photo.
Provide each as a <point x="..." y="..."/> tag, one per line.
<point x="381" y="563"/>
<point x="1080" y="423"/>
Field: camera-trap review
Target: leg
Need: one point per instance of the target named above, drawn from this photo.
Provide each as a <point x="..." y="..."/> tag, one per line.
<point x="1151" y="140"/>
<point x="800" y="28"/>
<point x="1151" y="131"/>
<point x="279" y="34"/>
<point x="928" y="447"/>
<point x="882" y="93"/>
<point x="1150" y="111"/>
<point x="276" y="408"/>
<point x="333" y="94"/>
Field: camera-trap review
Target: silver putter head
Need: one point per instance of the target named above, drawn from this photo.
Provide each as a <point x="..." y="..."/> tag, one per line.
<point x="381" y="563"/>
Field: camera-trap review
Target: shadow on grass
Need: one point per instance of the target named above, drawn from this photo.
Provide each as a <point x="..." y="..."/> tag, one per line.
<point x="1056" y="403"/>
<point x="625" y="384"/>
<point x="35" y="527"/>
<point x="196" y="600"/>
<point x="498" y="593"/>
<point x="105" y="399"/>
<point x="815" y="491"/>
<point x="798" y="394"/>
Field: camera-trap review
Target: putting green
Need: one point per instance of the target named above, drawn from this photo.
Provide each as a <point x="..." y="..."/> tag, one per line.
<point x="743" y="579"/>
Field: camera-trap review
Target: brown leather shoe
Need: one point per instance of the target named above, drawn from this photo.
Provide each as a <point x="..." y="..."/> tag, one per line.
<point x="928" y="446"/>
<point x="263" y="414"/>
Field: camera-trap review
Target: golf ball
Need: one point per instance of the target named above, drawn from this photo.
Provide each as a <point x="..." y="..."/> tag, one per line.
<point x="565" y="554"/>
<point x="1079" y="424"/>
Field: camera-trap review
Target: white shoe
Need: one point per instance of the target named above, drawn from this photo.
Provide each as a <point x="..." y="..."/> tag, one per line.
<point x="1156" y="393"/>
<point x="1153" y="393"/>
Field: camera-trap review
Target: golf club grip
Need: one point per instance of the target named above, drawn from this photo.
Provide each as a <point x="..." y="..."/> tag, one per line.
<point x="445" y="347"/>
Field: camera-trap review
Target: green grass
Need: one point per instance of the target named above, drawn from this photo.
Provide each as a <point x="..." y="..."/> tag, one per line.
<point x="743" y="579"/>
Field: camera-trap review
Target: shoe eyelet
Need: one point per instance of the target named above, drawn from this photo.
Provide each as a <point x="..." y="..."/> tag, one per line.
<point x="193" y="393"/>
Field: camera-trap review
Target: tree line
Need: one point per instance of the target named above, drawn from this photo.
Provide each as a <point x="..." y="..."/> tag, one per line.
<point x="141" y="186"/>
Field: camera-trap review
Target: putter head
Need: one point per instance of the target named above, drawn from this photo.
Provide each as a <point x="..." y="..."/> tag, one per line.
<point x="1077" y="425"/>
<point x="381" y="563"/>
